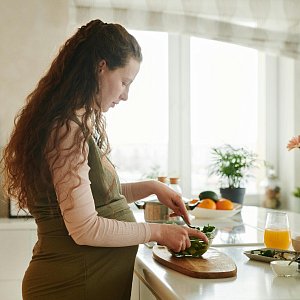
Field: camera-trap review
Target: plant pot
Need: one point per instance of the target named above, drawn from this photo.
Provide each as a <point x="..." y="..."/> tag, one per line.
<point x="234" y="194"/>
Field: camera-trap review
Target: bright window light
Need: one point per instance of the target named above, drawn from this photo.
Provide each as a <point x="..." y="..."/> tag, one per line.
<point x="138" y="128"/>
<point x="224" y="108"/>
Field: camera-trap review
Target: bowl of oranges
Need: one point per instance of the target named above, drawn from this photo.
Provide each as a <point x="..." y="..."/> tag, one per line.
<point x="211" y="206"/>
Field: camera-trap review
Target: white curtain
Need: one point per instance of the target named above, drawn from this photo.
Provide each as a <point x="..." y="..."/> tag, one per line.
<point x="268" y="25"/>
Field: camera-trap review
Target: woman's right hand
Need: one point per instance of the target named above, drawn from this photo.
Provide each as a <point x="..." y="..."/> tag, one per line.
<point x="175" y="237"/>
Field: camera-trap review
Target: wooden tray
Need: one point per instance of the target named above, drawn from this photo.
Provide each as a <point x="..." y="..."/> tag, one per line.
<point x="213" y="264"/>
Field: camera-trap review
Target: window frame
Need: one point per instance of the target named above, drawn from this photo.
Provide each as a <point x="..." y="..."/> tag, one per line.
<point x="179" y="150"/>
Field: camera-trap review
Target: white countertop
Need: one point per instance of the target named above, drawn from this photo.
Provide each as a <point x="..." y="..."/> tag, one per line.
<point x="242" y="232"/>
<point x="254" y="280"/>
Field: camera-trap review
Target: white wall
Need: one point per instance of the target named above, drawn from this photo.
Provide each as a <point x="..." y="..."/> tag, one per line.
<point x="31" y="32"/>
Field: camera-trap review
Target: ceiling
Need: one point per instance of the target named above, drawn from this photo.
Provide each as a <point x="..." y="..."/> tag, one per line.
<point x="273" y="15"/>
<point x="271" y="25"/>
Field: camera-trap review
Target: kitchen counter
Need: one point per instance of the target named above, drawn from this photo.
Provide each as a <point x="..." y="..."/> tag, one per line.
<point x="240" y="233"/>
<point x="254" y="280"/>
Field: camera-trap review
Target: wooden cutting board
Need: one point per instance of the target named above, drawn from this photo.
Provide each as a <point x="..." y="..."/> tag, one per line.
<point x="213" y="264"/>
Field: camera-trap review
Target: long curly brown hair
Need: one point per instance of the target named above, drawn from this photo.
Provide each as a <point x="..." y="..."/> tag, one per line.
<point x="71" y="83"/>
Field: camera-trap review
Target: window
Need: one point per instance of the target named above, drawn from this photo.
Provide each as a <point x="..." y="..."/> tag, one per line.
<point x="138" y="129"/>
<point x="224" y="106"/>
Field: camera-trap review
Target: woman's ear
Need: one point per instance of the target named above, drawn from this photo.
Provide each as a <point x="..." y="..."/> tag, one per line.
<point x="102" y="65"/>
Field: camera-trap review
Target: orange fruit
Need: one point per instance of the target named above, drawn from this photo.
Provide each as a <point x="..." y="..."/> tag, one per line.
<point x="207" y="203"/>
<point x="224" y="204"/>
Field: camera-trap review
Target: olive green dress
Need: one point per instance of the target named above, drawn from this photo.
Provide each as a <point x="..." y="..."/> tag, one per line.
<point x="61" y="269"/>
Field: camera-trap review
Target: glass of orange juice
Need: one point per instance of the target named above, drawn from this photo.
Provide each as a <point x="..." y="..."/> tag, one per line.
<point x="277" y="231"/>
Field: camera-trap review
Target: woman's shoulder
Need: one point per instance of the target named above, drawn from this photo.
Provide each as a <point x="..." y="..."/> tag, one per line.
<point x="77" y="121"/>
<point x="79" y="117"/>
<point x="71" y="131"/>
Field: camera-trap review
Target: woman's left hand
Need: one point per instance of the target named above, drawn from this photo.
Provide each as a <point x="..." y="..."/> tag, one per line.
<point x="171" y="199"/>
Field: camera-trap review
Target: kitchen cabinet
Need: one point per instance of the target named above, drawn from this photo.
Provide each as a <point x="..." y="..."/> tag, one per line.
<point x="135" y="291"/>
<point x="17" y="238"/>
<point x="12" y="259"/>
<point x="145" y="293"/>
<point x="140" y="291"/>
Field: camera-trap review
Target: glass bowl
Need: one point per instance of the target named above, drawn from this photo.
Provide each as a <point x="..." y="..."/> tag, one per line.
<point x="198" y="247"/>
<point x="283" y="269"/>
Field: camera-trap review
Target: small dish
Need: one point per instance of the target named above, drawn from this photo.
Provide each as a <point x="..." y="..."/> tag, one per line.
<point x="284" y="268"/>
<point x="269" y="254"/>
<point x="205" y="213"/>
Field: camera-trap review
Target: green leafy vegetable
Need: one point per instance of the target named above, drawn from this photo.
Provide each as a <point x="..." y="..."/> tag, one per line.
<point x="198" y="247"/>
<point x="268" y="253"/>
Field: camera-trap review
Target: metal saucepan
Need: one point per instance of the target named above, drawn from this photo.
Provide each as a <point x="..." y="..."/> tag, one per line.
<point x="156" y="212"/>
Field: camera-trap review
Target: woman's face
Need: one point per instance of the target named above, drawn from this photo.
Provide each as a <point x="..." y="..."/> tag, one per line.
<point x="114" y="84"/>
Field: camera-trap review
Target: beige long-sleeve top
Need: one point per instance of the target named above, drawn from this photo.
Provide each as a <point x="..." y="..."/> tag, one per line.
<point x="78" y="207"/>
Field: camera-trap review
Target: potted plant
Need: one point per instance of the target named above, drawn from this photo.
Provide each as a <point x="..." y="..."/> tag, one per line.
<point x="233" y="166"/>
<point x="296" y="192"/>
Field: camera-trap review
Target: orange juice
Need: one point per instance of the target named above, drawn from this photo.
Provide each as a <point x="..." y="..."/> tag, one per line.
<point x="276" y="238"/>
